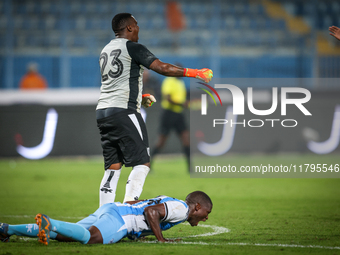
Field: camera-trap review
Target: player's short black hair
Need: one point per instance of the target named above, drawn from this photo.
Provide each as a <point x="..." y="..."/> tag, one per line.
<point x="199" y="197"/>
<point x="120" y="21"/>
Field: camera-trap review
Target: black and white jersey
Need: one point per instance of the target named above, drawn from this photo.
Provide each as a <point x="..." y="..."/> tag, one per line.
<point x="122" y="64"/>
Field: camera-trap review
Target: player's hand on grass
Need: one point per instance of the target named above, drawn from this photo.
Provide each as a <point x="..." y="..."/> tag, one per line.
<point x="148" y="100"/>
<point x="204" y="74"/>
<point x="334" y="31"/>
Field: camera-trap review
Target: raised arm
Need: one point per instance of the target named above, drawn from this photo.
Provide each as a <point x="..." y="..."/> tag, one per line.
<point x="166" y="69"/>
<point x="334" y="31"/>
<point x="153" y="215"/>
<point x="144" y="57"/>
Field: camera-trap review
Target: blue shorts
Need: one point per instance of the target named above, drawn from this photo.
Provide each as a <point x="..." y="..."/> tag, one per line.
<point x="109" y="222"/>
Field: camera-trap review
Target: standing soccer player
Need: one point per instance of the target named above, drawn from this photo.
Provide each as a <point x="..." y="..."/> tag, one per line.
<point x="174" y="100"/>
<point x="123" y="132"/>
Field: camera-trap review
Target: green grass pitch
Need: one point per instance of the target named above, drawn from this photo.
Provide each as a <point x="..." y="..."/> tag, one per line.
<point x="263" y="216"/>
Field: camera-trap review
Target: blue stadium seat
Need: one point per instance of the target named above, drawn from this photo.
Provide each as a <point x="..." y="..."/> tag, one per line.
<point x="335" y="7"/>
<point x="91" y="7"/>
<point x="229" y="22"/>
<point x="244" y="23"/>
<point x="45" y="7"/>
<point x="78" y="42"/>
<point x="166" y="40"/>
<point x="33" y="41"/>
<point x="255" y="9"/>
<point x="57" y="24"/>
<point x="2" y="7"/>
<point x="41" y="26"/>
<point x="227" y="9"/>
<point x="237" y="23"/>
<point x="199" y="22"/>
<point x="184" y="40"/>
<point x="105" y="7"/>
<point x="258" y="23"/>
<point x="2" y="40"/>
<point x="184" y="7"/>
<point x="121" y="7"/>
<point x="53" y="40"/>
<point x="158" y="22"/>
<point x="325" y="22"/>
<point x="142" y="21"/>
<point x="138" y="9"/>
<point x="337" y="22"/>
<point x="72" y="24"/>
<point x="80" y="22"/>
<point x="78" y="7"/>
<point x="55" y="8"/>
<point x="31" y="7"/>
<point x="19" y="8"/>
<point x="3" y="22"/>
<point x="154" y="42"/>
<point x="281" y="24"/>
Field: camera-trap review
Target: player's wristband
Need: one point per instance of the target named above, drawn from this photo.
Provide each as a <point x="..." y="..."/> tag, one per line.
<point x="188" y="72"/>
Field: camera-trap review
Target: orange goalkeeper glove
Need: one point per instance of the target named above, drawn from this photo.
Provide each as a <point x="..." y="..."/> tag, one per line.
<point x="204" y="74"/>
<point x="148" y="100"/>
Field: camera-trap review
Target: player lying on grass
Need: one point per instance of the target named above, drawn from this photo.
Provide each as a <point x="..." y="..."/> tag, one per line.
<point x="114" y="221"/>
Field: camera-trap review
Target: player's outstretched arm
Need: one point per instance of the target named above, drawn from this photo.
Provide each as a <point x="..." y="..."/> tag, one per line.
<point x="153" y="215"/>
<point x="334" y="31"/>
<point x="166" y="69"/>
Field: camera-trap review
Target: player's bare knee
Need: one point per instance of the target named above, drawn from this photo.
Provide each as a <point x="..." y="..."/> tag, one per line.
<point x="116" y="166"/>
<point x="147" y="164"/>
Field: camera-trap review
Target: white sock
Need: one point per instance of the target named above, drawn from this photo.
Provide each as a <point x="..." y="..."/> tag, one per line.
<point x="134" y="185"/>
<point x="108" y="186"/>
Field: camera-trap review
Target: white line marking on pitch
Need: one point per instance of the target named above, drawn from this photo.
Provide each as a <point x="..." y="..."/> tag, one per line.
<point x="220" y="230"/>
<point x="216" y="230"/>
<point x="254" y="244"/>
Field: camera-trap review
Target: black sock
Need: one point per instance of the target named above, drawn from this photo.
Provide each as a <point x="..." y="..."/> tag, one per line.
<point x="186" y="150"/>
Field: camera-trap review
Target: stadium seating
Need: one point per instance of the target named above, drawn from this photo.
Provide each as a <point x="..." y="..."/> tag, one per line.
<point x="320" y="14"/>
<point x="44" y="18"/>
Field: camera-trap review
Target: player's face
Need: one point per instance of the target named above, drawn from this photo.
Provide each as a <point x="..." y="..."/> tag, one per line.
<point x="135" y="30"/>
<point x="199" y="215"/>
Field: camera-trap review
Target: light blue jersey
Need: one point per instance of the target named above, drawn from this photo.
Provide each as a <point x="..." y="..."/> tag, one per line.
<point x="176" y="211"/>
<point x="116" y="221"/>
